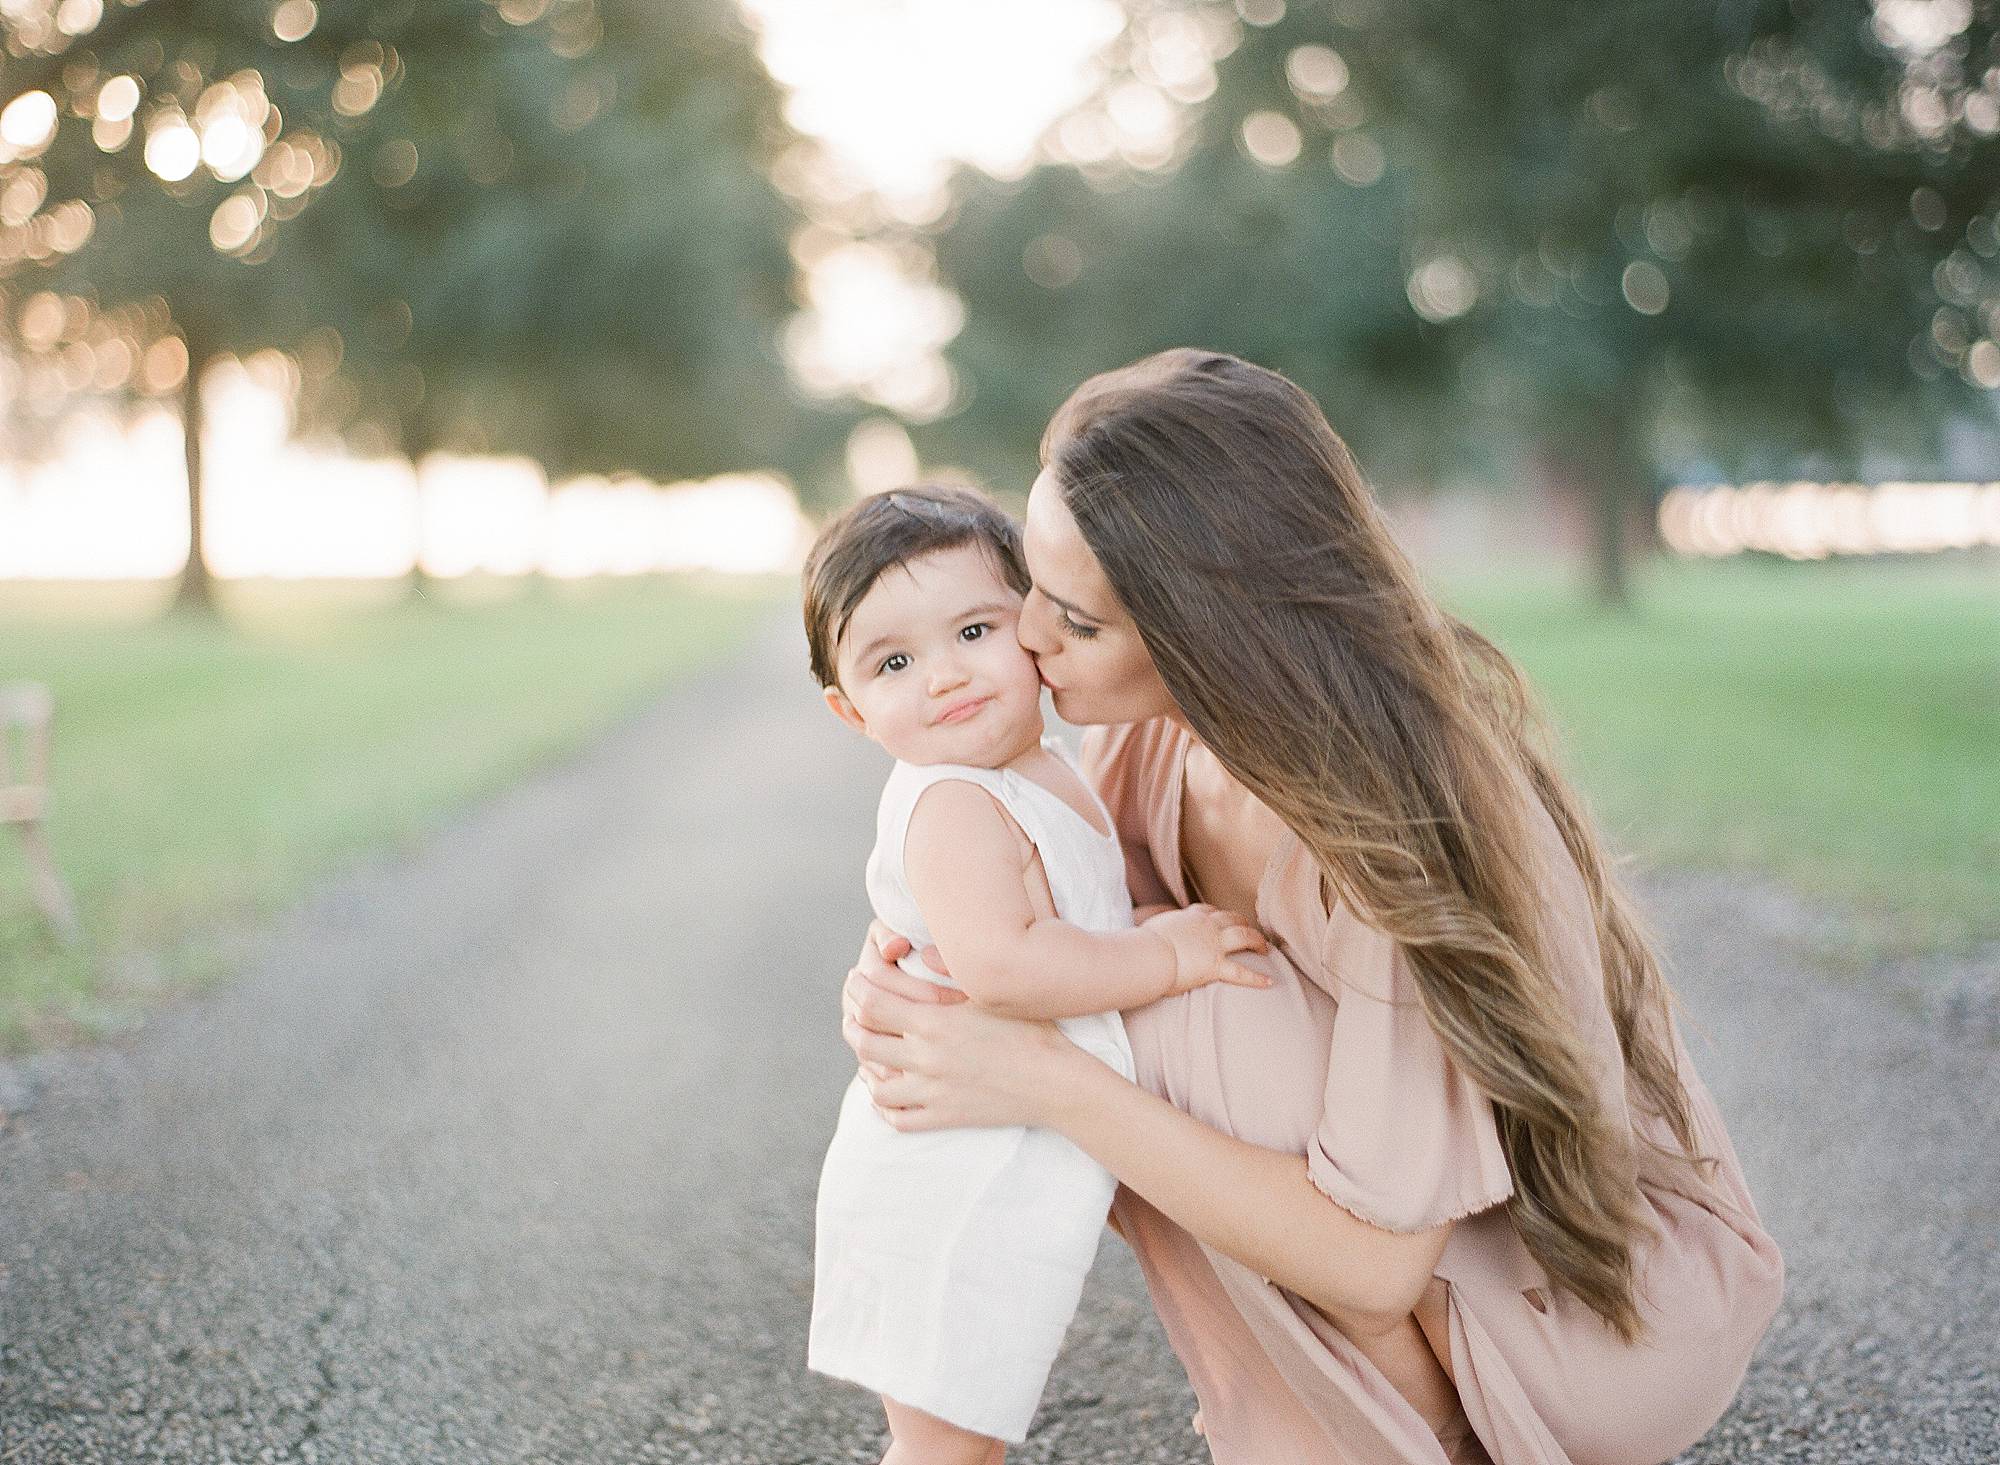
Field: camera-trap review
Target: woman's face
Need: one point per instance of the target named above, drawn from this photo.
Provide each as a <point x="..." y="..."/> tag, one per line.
<point x="1088" y="650"/>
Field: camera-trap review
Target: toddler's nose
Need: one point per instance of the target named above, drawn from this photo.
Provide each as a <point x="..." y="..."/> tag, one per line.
<point x="946" y="675"/>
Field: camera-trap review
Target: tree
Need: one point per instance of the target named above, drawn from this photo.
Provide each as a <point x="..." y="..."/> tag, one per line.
<point x="537" y="226"/>
<point x="1728" y="222"/>
<point x="1068" y="271"/>
<point x="1592" y="234"/>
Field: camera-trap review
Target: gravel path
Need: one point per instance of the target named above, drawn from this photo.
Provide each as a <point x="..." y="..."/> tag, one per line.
<point x="506" y="1151"/>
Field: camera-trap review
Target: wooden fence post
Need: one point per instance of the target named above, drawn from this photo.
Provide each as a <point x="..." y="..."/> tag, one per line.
<point x="27" y="722"/>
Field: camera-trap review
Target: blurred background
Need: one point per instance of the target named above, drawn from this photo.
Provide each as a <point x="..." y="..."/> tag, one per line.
<point x="392" y="395"/>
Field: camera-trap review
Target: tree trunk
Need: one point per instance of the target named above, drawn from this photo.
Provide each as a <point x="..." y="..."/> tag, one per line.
<point x="1610" y="561"/>
<point x="1595" y="465"/>
<point x="424" y="587"/>
<point x="197" y="590"/>
<point x="423" y="438"/>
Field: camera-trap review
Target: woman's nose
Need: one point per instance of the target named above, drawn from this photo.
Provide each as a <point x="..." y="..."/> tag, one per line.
<point x="1033" y="630"/>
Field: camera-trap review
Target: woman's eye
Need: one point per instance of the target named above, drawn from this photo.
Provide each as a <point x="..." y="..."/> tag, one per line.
<point x="1075" y="628"/>
<point x="894" y="663"/>
<point x="974" y="632"/>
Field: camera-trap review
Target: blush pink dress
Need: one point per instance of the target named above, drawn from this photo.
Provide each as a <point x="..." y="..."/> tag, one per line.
<point x="1338" y="1063"/>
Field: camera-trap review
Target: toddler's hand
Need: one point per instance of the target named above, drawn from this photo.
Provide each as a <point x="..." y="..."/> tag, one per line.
<point x="1203" y="939"/>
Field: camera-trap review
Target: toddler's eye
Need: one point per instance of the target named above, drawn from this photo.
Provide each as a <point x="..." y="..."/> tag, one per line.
<point x="894" y="663"/>
<point x="974" y="631"/>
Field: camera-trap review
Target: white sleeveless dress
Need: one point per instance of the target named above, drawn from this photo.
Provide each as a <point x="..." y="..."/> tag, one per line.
<point x="947" y="1264"/>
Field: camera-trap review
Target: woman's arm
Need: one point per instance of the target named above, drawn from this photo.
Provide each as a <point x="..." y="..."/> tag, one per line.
<point x="961" y="1067"/>
<point x="966" y="864"/>
<point x="1254" y="1204"/>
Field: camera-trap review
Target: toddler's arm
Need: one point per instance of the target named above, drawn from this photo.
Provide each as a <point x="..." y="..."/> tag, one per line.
<point x="966" y="862"/>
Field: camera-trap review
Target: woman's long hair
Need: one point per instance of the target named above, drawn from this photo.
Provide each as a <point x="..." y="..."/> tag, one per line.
<point x="1395" y="742"/>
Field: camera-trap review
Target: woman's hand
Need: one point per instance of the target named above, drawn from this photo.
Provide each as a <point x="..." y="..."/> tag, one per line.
<point x="876" y="967"/>
<point x="933" y="1061"/>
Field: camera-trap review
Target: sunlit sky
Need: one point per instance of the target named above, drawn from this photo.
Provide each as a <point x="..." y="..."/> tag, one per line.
<point x="896" y="93"/>
<point x="901" y="89"/>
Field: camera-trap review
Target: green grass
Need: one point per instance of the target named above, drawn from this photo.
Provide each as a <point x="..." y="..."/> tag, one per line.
<point x="206" y="774"/>
<point x="1837" y="725"/>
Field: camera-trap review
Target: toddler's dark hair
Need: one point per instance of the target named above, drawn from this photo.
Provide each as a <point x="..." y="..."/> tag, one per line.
<point x="890" y="529"/>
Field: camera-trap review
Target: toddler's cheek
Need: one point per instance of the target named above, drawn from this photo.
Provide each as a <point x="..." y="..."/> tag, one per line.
<point x="1024" y="672"/>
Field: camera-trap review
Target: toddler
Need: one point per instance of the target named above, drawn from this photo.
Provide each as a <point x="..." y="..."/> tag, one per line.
<point x="948" y="1263"/>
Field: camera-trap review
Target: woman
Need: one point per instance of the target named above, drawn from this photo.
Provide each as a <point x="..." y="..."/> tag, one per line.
<point x="1451" y="1189"/>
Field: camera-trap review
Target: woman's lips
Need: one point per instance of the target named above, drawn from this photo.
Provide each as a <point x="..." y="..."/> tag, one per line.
<point x="959" y="711"/>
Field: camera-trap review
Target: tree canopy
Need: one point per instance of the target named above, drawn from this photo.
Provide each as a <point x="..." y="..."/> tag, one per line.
<point x="1592" y="238"/>
<point x="541" y="226"/>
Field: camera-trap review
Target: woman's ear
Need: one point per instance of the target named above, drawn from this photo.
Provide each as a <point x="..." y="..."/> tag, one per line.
<point x="837" y="703"/>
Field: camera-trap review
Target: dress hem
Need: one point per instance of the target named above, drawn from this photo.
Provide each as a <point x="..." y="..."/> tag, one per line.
<point x="911" y="1396"/>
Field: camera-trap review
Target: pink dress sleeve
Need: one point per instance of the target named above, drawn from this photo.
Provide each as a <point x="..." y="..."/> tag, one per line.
<point x="1405" y="1142"/>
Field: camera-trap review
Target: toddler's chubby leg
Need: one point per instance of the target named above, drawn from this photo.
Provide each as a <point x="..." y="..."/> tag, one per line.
<point x="918" y="1438"/>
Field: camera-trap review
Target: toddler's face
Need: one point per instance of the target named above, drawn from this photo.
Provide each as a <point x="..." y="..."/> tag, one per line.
<point x="930" y="668"/>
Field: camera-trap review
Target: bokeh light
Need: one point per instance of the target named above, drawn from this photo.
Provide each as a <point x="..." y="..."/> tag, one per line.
<point x="27" y="123"/>
<point x="294" y="20"/>
<point x="173" y="149"/>
<point x="234" y="225"/>
<point x="1358" y="159"/>
<point x="1316" y="72"/>
<point x="1645" y="287"/>
<point x="118" y="98"/>
<point x="1813" y="521"/>
<point x="1052" y="261"/>
<point x="1272" y="138"/>
<point x="874" y="327"/>
<point x="1443" y="288"/>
